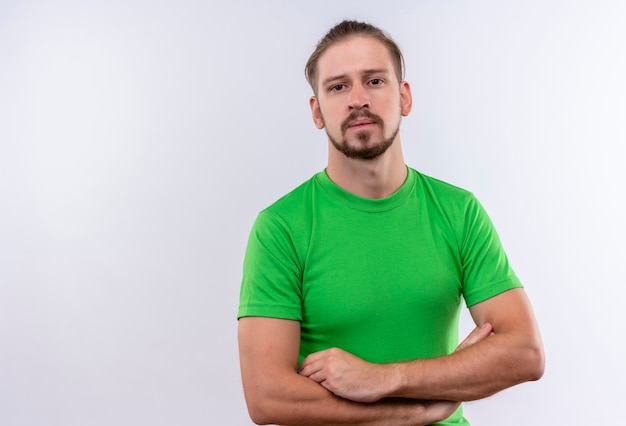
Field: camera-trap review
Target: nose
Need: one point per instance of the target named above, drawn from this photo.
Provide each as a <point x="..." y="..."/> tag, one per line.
<point x="359" y="98"/>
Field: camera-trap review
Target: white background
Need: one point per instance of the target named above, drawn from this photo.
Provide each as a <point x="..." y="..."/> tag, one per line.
<point x="139" y="139"/>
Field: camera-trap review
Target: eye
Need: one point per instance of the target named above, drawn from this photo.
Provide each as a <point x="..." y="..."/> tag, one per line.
<point x="337" y="87"/>
<point x="376" y="81"/>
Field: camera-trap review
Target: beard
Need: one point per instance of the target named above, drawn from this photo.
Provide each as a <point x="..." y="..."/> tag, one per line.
<point x="363" y="148"/>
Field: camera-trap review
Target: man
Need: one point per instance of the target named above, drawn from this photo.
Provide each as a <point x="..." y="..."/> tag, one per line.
<point x="353" y="282"/>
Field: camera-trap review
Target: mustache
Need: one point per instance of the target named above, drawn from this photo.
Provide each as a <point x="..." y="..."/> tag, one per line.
<point x="360" y="113"/>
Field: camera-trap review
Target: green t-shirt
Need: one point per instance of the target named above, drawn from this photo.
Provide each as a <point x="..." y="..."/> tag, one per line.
<point x="382" y="279"/>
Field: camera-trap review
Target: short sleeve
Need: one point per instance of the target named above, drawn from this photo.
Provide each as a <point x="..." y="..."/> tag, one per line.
<point x="485" y="266"/>
<point x="271" y="283"/>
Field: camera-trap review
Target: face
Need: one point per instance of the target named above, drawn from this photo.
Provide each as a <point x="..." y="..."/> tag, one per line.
<point x="359" y="99"/>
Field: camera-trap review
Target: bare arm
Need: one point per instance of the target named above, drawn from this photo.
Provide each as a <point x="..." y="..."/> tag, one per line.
<point x="276" y="393"/>
<point x="512" y="354"/>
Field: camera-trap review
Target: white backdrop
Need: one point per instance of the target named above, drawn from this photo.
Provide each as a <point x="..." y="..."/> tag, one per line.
<point x="139" y="139"/>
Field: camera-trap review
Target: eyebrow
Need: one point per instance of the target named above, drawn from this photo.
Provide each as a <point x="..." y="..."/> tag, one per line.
<point x="365" y="73"/>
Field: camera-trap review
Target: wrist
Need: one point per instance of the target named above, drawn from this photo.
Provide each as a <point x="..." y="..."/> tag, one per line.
<point x="393" y="380"/>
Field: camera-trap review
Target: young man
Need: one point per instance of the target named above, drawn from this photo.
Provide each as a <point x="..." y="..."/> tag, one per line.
<point x="353" y="282"/>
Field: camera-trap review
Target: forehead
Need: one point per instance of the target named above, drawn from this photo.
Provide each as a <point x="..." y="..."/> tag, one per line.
<point x="354" y="55"/>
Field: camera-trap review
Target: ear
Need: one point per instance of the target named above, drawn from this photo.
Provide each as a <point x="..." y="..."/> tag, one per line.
<point x="406" y="99"/>
<point x="316" y="112"/>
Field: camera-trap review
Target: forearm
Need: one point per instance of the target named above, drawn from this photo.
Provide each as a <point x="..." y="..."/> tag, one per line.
<point x="297" y="400"/>
<point x="276" y="394"/>
<point x="512" y="354"/>
<point x="489" y="366"/>
<point x="490" y="359"/>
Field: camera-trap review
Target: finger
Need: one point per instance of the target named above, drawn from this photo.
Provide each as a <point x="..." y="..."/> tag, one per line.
<point x="468" y="340"/>
<point x="311" y="367"/>
<point x="317" y="358"/>
<point x="309" y="360"/>
<point x="478" y="334"/>
<point x="318" y="377"/>
<point x="306" y="370"/>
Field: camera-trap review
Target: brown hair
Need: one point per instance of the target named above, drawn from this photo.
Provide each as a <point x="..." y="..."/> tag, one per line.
<point x="347" y="29"/>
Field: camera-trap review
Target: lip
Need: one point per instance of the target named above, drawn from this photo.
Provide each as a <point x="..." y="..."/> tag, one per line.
<point x="360" y="123"/>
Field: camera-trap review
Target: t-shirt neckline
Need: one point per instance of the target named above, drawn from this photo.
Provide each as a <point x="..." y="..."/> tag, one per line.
<point x="368" y="204"/>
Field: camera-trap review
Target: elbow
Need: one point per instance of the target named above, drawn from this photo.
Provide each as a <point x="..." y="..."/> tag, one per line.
<point x="259" y="413"/>
<point x="535" y="363"/>
<point x="540" y="367"/>
<point x="263" y="409"/>
<point x="258" y="417"/>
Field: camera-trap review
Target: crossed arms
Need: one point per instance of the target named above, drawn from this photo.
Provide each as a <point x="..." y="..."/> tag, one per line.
<point x="335" y="387"/>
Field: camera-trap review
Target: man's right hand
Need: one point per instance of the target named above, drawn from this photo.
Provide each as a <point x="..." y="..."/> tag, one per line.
<point x="477" y="334"/>
<point x="441" y="410"/>
<point x="277" y="394"/>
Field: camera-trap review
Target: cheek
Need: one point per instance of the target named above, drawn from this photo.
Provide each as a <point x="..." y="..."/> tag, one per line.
<point x="328" y="117"/>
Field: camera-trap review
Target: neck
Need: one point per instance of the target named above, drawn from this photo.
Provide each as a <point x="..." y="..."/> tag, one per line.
<point x="376" y="178"/>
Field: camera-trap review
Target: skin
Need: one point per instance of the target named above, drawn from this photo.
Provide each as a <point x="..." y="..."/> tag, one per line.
<point x="333" y="386"/>
<point x="277" y="394"/>
<point x="358" y="74"/>
<point x="512" y="355"/>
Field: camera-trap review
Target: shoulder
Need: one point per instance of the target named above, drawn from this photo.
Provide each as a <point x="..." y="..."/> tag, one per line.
<point x="453" y="206"/>
<point x="293" y="205"/>
<point x="445" y="195"/>
<point x="293" y="197"/>
<point x="289" y="218"/>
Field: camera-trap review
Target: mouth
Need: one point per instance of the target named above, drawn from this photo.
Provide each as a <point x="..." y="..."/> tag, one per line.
<point x="361" y="120"/>
<point x="357" y="124"/>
